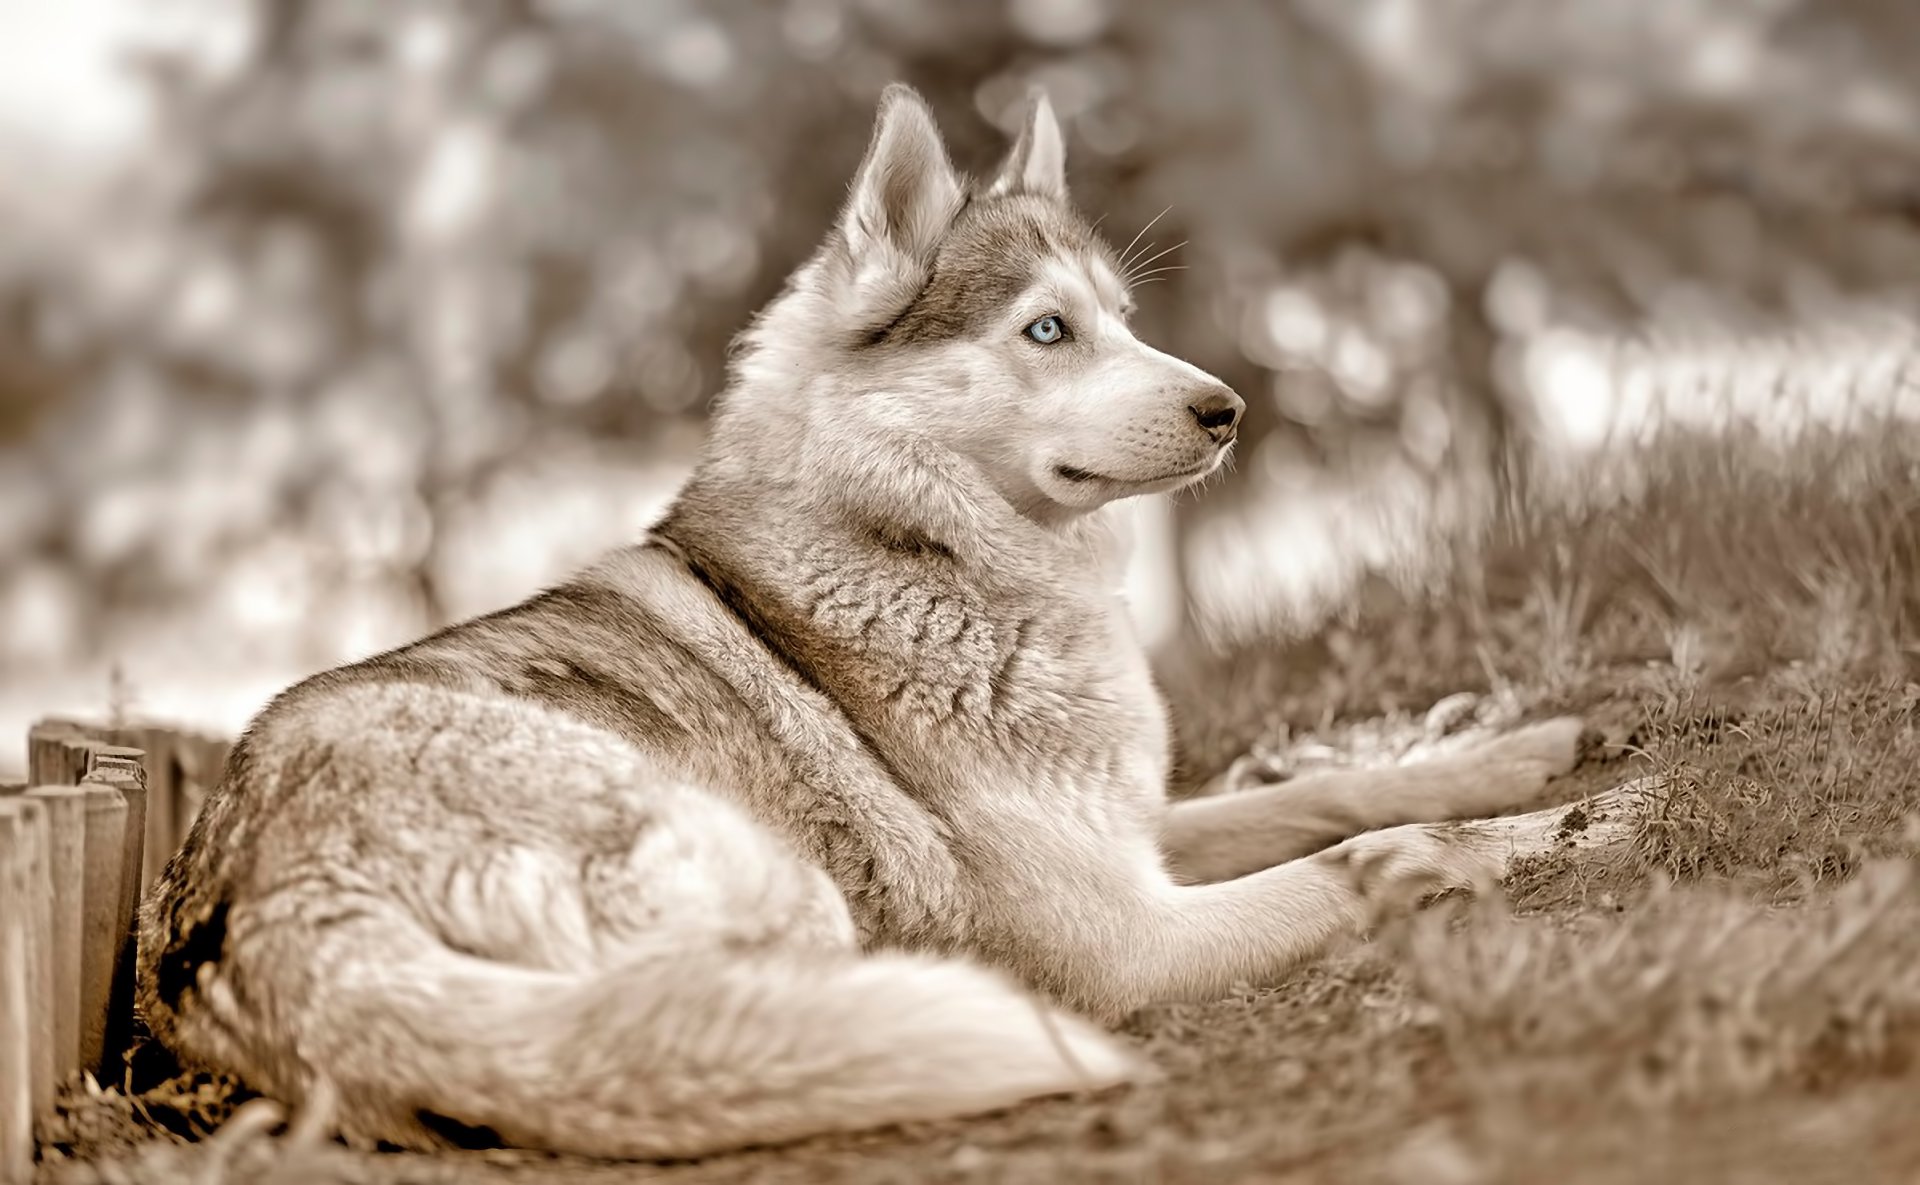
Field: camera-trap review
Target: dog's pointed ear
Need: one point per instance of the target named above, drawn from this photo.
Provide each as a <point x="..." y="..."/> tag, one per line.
<point x="906" y="190"/>
<point x="1038" y="162"/>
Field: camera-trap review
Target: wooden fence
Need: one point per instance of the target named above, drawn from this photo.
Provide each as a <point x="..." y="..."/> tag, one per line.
<point x="101" y="813"/>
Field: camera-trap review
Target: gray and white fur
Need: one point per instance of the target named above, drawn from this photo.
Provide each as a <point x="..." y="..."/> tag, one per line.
<point x="837" y="800"/>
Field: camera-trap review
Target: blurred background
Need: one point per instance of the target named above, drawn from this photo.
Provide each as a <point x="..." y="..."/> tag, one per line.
<point x="323" y="322"/>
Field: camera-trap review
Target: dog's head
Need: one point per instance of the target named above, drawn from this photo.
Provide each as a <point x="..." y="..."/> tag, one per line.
<point x="984" y="322"/>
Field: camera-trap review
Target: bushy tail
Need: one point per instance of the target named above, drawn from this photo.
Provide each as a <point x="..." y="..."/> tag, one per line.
<point x="685" y="1056"/>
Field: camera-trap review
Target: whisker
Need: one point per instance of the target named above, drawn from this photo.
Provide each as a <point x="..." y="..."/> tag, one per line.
<point x="1173" y="267"/>
<point x="1126" y="261"/>
<point x="1144" y="262"/>
<point x="1136" y="238"/>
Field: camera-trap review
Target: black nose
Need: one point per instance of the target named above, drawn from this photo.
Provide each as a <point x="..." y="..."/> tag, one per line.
<point x="1218" y="413"/>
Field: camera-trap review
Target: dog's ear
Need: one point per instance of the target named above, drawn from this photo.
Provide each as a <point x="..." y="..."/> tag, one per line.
<point x="1038" y="162"/>
<point x="905" y="191"/>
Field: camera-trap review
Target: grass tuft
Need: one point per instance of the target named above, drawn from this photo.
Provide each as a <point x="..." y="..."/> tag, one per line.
<point x="1696" y="993"/>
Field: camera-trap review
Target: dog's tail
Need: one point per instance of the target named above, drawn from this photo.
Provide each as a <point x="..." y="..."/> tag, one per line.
<point x="685" y="1056"/>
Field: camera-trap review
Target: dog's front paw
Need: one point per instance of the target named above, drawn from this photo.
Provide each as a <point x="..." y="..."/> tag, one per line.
<point x="1552" y="746"/>
<point x="1389" y="871"/>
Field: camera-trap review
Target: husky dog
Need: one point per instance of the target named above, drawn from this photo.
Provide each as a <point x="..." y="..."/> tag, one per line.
<point x="836" y="801"/>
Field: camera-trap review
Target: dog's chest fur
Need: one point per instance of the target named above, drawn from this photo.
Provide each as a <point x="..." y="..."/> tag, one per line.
<point x="1039" y="681"/>
<point x="1014" y="707"/>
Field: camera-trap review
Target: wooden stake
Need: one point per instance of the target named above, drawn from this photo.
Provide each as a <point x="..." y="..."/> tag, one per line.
<point x="67" y="865"/>
<point x="122" y="769"/>
<point x="202" y="761"/>
<point x="23" y="850"/>
<point x="100" y="945"/>
<point x="16" y="1012"/>
<point x="56" y="753"/>
<point x="156" y="746"/>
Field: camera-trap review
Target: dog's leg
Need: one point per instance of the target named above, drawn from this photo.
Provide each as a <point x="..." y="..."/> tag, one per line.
<point x="1229" y="835"/>
<point x="1164" y="941"/>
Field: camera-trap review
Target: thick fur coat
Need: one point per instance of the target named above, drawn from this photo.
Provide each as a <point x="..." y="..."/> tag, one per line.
<point x="837" y="800"/>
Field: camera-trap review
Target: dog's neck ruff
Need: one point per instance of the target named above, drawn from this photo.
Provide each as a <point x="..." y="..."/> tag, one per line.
<point x="780" y="551"/>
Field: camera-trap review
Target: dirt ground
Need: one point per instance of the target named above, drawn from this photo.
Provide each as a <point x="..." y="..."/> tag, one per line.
<point x="1733" y="994"/>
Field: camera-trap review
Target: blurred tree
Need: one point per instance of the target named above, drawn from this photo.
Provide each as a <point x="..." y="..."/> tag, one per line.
<point x="402" y="287"/>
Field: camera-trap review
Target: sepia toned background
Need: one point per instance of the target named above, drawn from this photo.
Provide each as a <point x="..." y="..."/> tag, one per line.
<point x="1579" y="339"/>
<point x="325" y="322"/>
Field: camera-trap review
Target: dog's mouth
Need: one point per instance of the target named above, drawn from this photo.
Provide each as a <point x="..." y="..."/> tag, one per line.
<point x="1079" y="476"/>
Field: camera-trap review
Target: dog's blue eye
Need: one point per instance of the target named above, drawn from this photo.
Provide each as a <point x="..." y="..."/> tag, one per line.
<point x="1047" y="330"/>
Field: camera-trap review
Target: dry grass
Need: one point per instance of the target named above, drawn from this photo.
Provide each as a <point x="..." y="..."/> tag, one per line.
<point x="1732" y="994"/>
<point x="1704" y="564"/>
<point x="1692" y="994"/>
<point x="1795" y="795"/>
